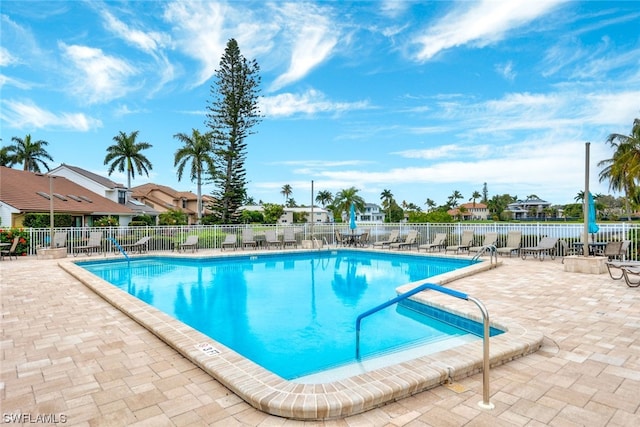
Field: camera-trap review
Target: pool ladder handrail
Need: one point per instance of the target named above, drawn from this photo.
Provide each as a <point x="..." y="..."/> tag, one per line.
<point x="120" y="248"/>
<point x="485" y="404"/>
<point x="317" y="244"/>
<point x="493" y="254"/>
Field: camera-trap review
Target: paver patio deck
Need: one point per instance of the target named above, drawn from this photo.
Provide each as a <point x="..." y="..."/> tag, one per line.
<point x="68" y="354"/>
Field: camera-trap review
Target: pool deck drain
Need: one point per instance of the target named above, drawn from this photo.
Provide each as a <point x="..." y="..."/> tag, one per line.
<point x="66" y="351"/>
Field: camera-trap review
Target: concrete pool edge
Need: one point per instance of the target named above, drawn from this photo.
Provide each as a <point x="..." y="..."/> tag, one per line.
<point x="274" y="395"/>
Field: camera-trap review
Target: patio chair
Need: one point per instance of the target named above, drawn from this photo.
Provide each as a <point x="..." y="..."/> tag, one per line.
<point x="616" y="250"/>
<point x="546" y="246"/>
<point x="230" y="241"/>
<point x="439" y="242"/>
<point x="93" y="245"/>
<point x="490" y="239"/>
<point x="393" y="238"/>
<point x="190" y="243"/>
<point x="410" y="240"/>
<point x="248" y="239"/>
<point x="628" y="273"/>
<point x="142" y="245"/>
<point x="271" y="239"/>
<point x="513" y="244"/>
<point x="465" y="243"/>
<point x="339" y="240"/>
<point x="12" y="249"/>
<point x="289" y="238"/>
<point x="568" y="250"/>
<point x="615" y="268"/>
<point x="60" y="239"/>
<point x="363" y="239"/>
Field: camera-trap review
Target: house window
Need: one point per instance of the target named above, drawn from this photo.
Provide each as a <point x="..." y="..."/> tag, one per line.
<point x="184" y="204"/>
<point x="122" y="197"/>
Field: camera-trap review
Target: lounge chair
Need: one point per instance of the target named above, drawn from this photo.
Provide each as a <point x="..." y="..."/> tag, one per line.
<point x="546" y="246"/>
<point x="289" y="238"/>
<point x="271" y="239"/>
<point x="465" y="243"/>
<point x="190" y="243"/>
<point x="490" y="239"/>
<point x="248" y="239"/>
<point x="513" y="244"/>
<point x="93" y="245"/>
<point x="410" y="240"/>
<point x="141" y="245"/>
<point x="393" y="238"/>
<point x="230" y="241"/>
<point x="12" y="249"/>
<point x="439" y="242"/>
<point x="615" y="268"/>
<point x="628" y="272"/>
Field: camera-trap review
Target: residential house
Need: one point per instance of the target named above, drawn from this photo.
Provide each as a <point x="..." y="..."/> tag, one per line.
<point x="104" y="187"/>
<point x="531" y="208"/>
<point x="320" y="215"/>
<point x="163" y="198"/>
<point x="23" y="192"/>
<point x="372" y="213"/>
<point x="470" y="211"/>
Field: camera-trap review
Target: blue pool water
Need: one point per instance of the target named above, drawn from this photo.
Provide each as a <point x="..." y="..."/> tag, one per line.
<point x="294" y="314"/>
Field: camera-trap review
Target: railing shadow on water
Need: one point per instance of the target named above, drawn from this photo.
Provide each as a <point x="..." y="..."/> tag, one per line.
<point x="168" y="238"/>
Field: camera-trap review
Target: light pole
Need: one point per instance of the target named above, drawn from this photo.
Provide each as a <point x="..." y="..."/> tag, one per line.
<point x="51" y="211"/>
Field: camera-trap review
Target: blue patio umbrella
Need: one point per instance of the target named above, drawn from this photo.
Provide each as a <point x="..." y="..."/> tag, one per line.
<point x="352" y="217"/>
<point x="593" y="227"/>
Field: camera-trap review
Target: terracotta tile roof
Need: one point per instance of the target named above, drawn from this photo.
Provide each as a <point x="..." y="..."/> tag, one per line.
<point x="22" y="190"/>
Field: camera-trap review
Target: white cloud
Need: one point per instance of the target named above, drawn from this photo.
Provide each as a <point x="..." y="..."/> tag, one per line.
<point x="506" y="70"/>
<point x="27" y="115"/>
<point x="149" y="42"/>
<point x="310" y="102"/>
<point x="479" y="24"/>
<point x="102" y="77"/>
<point x="314" y="38"/>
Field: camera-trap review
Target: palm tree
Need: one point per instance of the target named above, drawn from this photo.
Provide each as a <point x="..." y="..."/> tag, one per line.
<point x="623" y="169"/>
<point x="387" y="200"/>
<point x="475" y="196"/>
<point x="324" y="198"/>
<point x="344" y="198"/>
<point x="453" y="199"/>
<point x="430" y="204"/>
<point x="197" y="149"/>
<point x="30" y="153"/>
<point x="286" y="192"/>
<point x="126" y="154"/>
<point x="6" y="157"/>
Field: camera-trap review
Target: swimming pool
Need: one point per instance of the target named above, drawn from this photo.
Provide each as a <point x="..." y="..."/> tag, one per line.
<point x="293" y="313"/>
<point x="321" y="400"/>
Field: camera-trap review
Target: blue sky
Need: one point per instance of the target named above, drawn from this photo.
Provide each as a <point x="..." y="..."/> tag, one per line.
<point x="421" y="98"/>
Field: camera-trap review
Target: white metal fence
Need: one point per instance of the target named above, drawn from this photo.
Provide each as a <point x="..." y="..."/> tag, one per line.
<point x="166" y="238"/>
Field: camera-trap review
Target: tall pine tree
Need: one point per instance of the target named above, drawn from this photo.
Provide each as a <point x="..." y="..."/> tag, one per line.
<point x="232" y="113"/>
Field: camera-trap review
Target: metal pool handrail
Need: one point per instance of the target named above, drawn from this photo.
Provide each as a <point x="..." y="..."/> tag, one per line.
<point x="493" y="252"/>
<point x="117" y="245"/>
<point x="486" y="404"/>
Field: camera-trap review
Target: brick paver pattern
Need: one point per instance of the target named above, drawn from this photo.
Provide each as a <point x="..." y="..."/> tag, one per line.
<point x="69" y="356"/>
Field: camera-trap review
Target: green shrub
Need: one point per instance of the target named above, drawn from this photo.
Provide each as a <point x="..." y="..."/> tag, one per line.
<point x="42" y="220"/>
<point x="8" y="234"/>
<point x="106" y="221"/>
